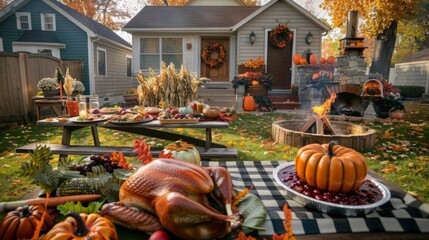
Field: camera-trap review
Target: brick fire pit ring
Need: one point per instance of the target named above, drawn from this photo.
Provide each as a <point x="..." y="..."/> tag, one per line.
<point x="349" y="135"/>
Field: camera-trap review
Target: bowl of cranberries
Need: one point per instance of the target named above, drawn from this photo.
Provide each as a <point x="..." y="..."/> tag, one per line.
<point x="369" y="196"/>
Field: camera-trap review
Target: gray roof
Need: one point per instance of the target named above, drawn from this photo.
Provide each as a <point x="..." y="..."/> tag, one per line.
<point x="189" y="17"/>
<point x="94" y="26"/>
<point x="39" y="36"/>
<point x="423" y="55"/>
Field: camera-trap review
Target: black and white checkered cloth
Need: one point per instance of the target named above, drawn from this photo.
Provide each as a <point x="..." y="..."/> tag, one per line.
<point x="403" y="213"/>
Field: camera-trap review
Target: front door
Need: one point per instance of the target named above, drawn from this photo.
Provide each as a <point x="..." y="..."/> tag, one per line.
<point x="218" y="73"/>
<point x="279" y="65"/>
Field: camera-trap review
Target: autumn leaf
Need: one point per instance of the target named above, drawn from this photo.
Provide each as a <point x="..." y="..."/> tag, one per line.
<point x="418" y="169"/>
<point x="389" y="169"/>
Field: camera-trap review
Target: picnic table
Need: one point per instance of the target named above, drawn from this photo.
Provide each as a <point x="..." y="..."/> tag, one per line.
<point x="153" y="128"/>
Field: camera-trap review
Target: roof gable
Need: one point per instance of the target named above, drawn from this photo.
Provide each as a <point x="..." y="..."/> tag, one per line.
<point x="87" y="24"/>
<point x="423" y="55"/>
<point x="214" y="3"/>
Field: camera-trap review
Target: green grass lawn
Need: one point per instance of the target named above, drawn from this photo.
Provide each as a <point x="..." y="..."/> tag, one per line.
<point x="401" y="153"/>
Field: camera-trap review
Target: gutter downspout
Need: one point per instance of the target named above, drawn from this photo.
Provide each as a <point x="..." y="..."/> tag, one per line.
<point x="91" y="60"/>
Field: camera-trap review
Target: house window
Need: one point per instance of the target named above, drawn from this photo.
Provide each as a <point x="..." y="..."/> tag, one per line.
<point x="155" y="50"/>
<point x="45" y="51"/>
<point x="101" y="61"/>
<point x="23" y="20"/>
<point x="129" y="62"/>
<point x="48" y="22"/>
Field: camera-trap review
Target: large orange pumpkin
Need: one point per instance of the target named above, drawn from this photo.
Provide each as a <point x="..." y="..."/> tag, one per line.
<point x="248" y="103"/>
<point x="313" y="59"/>
<point x="21" y="223"/>
<point x="322" y="60"/>
<point x="297" y="59"/>
<point x="83" y="226"/>
<point x="331" y="60"/>
<point x="331" y="167"/>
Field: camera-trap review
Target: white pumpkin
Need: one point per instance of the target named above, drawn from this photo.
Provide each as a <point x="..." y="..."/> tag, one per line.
<point x="183" y="151"/>
<point x="186" y="110"/>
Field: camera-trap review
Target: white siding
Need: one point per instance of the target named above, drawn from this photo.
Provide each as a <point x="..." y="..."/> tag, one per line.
<point x="36" y="48"/>
<point x="214" y="3"/>
<point x="416" y="73"/>
<point x="270" y="18"/>
<point x="116" y="82"/>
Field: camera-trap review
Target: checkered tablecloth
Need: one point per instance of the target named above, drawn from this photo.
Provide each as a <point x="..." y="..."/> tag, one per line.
<point x="403" y="213"/>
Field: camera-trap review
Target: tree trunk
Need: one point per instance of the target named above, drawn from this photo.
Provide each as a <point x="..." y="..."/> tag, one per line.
<point x="383" y="51"/>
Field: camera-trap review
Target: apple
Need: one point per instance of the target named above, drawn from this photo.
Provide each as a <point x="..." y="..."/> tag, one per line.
<point x="174" y="111"/>
<point x="159" y="235"/>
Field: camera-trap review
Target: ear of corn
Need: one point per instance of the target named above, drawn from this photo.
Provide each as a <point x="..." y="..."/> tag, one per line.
<point x="78" y="186"/>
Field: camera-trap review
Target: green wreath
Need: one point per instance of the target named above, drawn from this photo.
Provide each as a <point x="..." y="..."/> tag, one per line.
<point x="213" y="47"/>
<point x="280" y="36"/>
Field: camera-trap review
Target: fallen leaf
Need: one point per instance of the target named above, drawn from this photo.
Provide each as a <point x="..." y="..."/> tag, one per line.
<point x="418" y="169"/>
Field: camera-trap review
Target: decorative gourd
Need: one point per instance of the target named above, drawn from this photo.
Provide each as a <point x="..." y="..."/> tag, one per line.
<point x="315" y="76"/>
<point x="359" y="44"/>
<point x="21" y="223"/>
<point x="248" y="103"/>
<point x="186" y="110"/>
<point x="211" y="112"/>
<point x="331" y="60"/>
<point x="183" y="151"/>
<point x="83" y="226"/>
<point x="255" y="82"/>
<point x="331" y="167"/>
<point x="352" y="44"/>
<point x="322" y="60"/>
<point x="313" y="59"/>
<point x="303" y="61"/>
<point x="297" y="59"/>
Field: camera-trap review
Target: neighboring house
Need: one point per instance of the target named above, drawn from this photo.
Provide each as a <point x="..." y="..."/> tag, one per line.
<point x="181" y="37"/>
<point x="414" y="70"/>
<point x="50" y="27"/>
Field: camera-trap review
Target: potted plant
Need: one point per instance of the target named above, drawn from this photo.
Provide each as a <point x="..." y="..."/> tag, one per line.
<point x="49" y="86"/>
<point x="131" y="96"/>
<point x="79" y="88"/>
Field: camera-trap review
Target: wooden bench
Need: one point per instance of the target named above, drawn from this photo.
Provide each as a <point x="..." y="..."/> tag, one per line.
<point x="206" y="154"/>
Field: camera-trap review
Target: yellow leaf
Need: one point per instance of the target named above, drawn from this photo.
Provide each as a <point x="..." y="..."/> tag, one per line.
<point x="241" y="144"/>
<point x="418" y="169"/>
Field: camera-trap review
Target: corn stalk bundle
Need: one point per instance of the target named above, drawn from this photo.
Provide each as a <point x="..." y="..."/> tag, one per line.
<point x="69" y="83"/>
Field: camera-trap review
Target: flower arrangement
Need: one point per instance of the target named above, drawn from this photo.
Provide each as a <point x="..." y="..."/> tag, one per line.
<point x="131" y="91"/>
<point x="79" y="88"/>
<point x="209" y="49"/>
<point x="254" y="64"/>
<point x="240" y="81"/>
<point x="46" y="84"/>
<point x="318" y="80"/>
<point x="280" y="36"/>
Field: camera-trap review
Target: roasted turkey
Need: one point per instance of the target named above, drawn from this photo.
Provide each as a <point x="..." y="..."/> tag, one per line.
<point x="182" y="197"/>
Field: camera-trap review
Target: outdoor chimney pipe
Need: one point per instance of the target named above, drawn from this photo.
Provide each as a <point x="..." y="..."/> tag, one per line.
<point x="352" y="24"/>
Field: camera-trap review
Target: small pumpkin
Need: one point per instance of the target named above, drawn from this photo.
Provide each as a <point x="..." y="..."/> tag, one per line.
<point x="331" y="167"/>
<point x="352" y="44"/>
<point x="313" y="59"/>
<point x="315" y="76"/>
<point x="183" y="151"/>
<point x="248" y="103"/>
<point x="83" y="226"/>
<point x="322" y="60"/>
<point x="255" y="82"/>
<point x="331" y="60"/>
<point x="211" y="112"/>
<point x="359" y="44"/>
<point x="303" y="61"/>
<point x="21" y="223"/>
<point x="186" y="110"/>
<point x="297" y="59"/>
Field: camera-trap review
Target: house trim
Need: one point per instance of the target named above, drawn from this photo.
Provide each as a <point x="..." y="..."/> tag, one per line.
<point x="1" y="45"/>
<point x="179" y="30"/>
<point x="291" y="3"/>
<point x="58" y="45"/>
<point x="105" y="61"/>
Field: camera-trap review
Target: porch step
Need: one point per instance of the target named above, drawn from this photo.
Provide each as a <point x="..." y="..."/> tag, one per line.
<point x="218" y="97"/>
<point x="285" y="102"/>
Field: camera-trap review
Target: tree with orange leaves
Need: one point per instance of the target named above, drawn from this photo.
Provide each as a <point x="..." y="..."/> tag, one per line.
<point x="183" y="2"/>
<point x="380" y="21"/>
<point x="3" y="3"/>
<point x="107" y="12"/>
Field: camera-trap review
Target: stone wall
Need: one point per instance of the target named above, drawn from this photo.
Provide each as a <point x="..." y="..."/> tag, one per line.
<point x="350" y="70"/>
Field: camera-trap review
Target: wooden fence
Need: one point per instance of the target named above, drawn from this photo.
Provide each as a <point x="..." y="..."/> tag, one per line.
<point x="19" y="74"/>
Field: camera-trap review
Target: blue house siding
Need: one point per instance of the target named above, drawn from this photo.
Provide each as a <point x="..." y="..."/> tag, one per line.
<point x="75" y="39"/>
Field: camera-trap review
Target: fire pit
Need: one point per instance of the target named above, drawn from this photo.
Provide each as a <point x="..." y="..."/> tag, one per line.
<point x="318" y="129"/>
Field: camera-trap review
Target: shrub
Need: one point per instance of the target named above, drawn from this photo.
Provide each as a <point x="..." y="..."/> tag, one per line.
<point x="408" y="91"/>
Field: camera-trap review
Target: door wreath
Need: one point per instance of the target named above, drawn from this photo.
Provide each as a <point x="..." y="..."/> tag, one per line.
<point x="280" y="36"/>
<point x="208" y="50"/>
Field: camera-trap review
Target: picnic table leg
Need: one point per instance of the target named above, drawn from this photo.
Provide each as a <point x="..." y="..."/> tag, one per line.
<point x="208" y="138"/>
<point x="95" y="136"/>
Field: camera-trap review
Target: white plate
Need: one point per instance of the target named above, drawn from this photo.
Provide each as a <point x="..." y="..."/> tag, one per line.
<point x="150" y="118"/>
<point x="76" y="120"/>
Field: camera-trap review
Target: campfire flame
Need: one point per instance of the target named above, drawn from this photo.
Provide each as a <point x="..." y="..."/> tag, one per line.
<point x="323" y="109"/>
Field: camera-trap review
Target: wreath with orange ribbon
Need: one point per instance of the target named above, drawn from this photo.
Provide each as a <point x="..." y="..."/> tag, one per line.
<point x="280" y="36"/>
<point x="209" y="49"/>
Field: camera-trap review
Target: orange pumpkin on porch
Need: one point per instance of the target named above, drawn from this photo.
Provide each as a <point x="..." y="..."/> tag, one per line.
<point x="322" y="60"/>
<point x="331" y="60"/>
<point x="359" y="44"/>
<point x="255" y="82"/>
<point x="303" y="61"/>
<point x="297" y="59"/>
<point x="249" y="103"/>
<point x="313" y="59"/>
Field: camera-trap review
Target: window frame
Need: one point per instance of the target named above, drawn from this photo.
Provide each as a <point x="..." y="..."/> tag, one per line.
<point x="160" y="53"/>
<point x="1" y="45"/>
<point x="18" y="20"/>
<point x="41" y="51"/>
<point x="98" y="61"/>
<point x="130" y="67"/>
<point x="43" y="23"/>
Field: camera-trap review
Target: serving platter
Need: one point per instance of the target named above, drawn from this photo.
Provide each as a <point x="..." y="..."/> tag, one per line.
<point x="330" y="207"/>
<point x="167" y="121"/>
<point x="147" y="119"/>
<point x="76" y="120"/>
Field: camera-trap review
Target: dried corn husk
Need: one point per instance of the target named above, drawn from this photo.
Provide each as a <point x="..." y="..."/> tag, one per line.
<point x="69" y="83"/>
